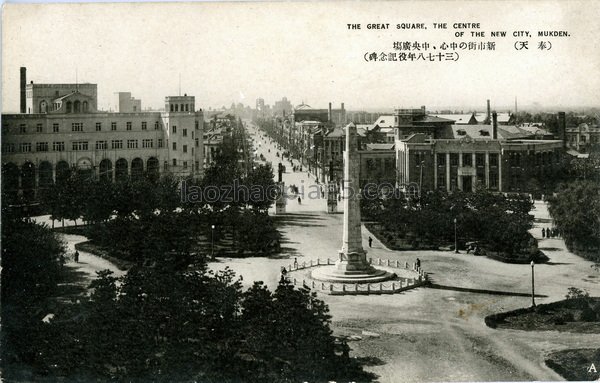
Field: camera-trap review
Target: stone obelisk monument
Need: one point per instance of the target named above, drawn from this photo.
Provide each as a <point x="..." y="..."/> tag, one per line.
<point x="352" y="265"/>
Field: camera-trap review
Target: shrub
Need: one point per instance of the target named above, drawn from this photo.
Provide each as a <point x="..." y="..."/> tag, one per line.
<point x="575" y="293"/>
<point x="588" y="315"/>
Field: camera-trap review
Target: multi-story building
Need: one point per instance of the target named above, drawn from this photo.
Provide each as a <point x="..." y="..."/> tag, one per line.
<point x="477" y="155"/>
<point x="127" y="104"/>
<point x="583" y="136"/>
<point x="60" y="130"/>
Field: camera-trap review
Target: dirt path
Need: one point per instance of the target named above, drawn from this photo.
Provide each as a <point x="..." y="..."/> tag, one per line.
<point x="88" y="263"/>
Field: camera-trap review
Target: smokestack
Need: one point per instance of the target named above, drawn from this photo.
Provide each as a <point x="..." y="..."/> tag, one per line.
<point x="343" y="115"/>
<point x="329" y="113"/>
<point x="23" y="85"/>
<point x="495" y="125"/>
<point x="489" y="111"/>
<point x="562" y="128"/>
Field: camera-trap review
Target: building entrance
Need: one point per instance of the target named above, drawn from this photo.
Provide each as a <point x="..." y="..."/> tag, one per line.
<point x="467" y="182"/>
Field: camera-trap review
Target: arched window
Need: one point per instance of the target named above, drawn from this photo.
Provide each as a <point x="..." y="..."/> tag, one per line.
<point x="28" y="180"/>
<point x="105" y="170"/>
<point x="45" y="174"/>
<point x="137" y="168"/>
<point x="121" y="170"/>
<point x="85" y="106"/>
<point x="77" y="106"/>
<point x="171" y="107"/>
<point x="152" y="168"/>
<point x="69" y="107"/>
<point x="10" y="177"/>
<point x="176" y="107"/>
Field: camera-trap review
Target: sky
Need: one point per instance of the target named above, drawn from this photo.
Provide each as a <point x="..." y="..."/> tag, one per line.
<point x="237" y="52"/>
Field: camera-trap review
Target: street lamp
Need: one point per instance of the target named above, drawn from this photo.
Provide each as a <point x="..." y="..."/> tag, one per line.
<point x="212" y="242"/>
<point x="455" y="238"/>
<point x="532" y="286"/>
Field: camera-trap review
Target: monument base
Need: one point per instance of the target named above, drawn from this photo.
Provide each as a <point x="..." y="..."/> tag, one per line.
<point x="351" y="268"/>
<point x="332" y="274"/>
<point x="332" y="208"/>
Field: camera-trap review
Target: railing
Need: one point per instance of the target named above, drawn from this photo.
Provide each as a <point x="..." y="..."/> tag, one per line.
<point x="390" y="287"/>
<point x="361" y="288"/>
<point x="378" y="262"/>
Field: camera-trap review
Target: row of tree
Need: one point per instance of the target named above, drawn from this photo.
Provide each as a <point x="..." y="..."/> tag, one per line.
<point x="232" y="199"/>
<point x="575" y="209"/>
<point x="500" y="222"/>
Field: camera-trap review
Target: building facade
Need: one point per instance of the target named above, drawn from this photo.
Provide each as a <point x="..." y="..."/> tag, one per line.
<point x="583" y="136"/>
<point x="468" y="162"/>
<point x="71" y="134"/>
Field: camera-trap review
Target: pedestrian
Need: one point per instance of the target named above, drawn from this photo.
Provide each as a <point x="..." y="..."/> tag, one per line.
<point x="543" y="233"/>
<point x="418" y="264"/>
<point x="295" y="263"/>
<point x="299" y="200"/>
<point x="370" y="241"/>
<point x="76" y="256"/>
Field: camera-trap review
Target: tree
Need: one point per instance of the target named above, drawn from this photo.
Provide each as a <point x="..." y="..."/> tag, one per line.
<point x="261" y="186"/>
<point x="576" y="213"/>
<point x="32" y="257"/>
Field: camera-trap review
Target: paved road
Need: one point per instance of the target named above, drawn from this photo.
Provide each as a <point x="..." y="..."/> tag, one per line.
<point x="309" y="189"/>
<point x="438" y="334"/>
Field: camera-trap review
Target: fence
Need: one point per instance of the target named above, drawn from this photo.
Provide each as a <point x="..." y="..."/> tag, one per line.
<point x="390" y="287"/>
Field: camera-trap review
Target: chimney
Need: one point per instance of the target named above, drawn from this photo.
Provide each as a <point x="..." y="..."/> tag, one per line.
<point x="562" y="128"/>
<point x="329" y="113"/>
<point x="343" y="115"/>
<point x="488" y="111"/>
<point x="495" y="125"/>
<point x="23" y="93"/>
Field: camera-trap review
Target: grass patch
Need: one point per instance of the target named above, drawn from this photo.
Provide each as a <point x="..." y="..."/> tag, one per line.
<point x="395" y="241"/>
<point x="575" y="364"/>
<point x="579" y="315"/>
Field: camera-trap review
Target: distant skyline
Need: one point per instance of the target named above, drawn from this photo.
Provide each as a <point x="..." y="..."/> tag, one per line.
<point x="237" y="52"/>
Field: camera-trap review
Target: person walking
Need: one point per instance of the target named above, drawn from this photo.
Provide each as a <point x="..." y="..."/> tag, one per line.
<point x="418" y="264"/>
<point x="76" y="256"/>
<point x="299" y="201"/>
<point x="543" y="233"/>
<point x="370" y="241"/>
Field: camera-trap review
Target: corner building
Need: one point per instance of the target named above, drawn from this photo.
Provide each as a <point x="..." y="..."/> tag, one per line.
<point x="464" y="157"/>
<point x="60" y="130"/>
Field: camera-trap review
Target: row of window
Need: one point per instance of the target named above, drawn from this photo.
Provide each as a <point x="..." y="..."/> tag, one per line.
<point x="467" y="159"/>
<point x="182" y="108"/>
<point x="79" y="127"/>
<point x="184" y="148"/>
<point x="184" y="164"/>
<point x="479" y="179"/>
<point x="59" y="146"/>
<point x="184" y="132"/>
